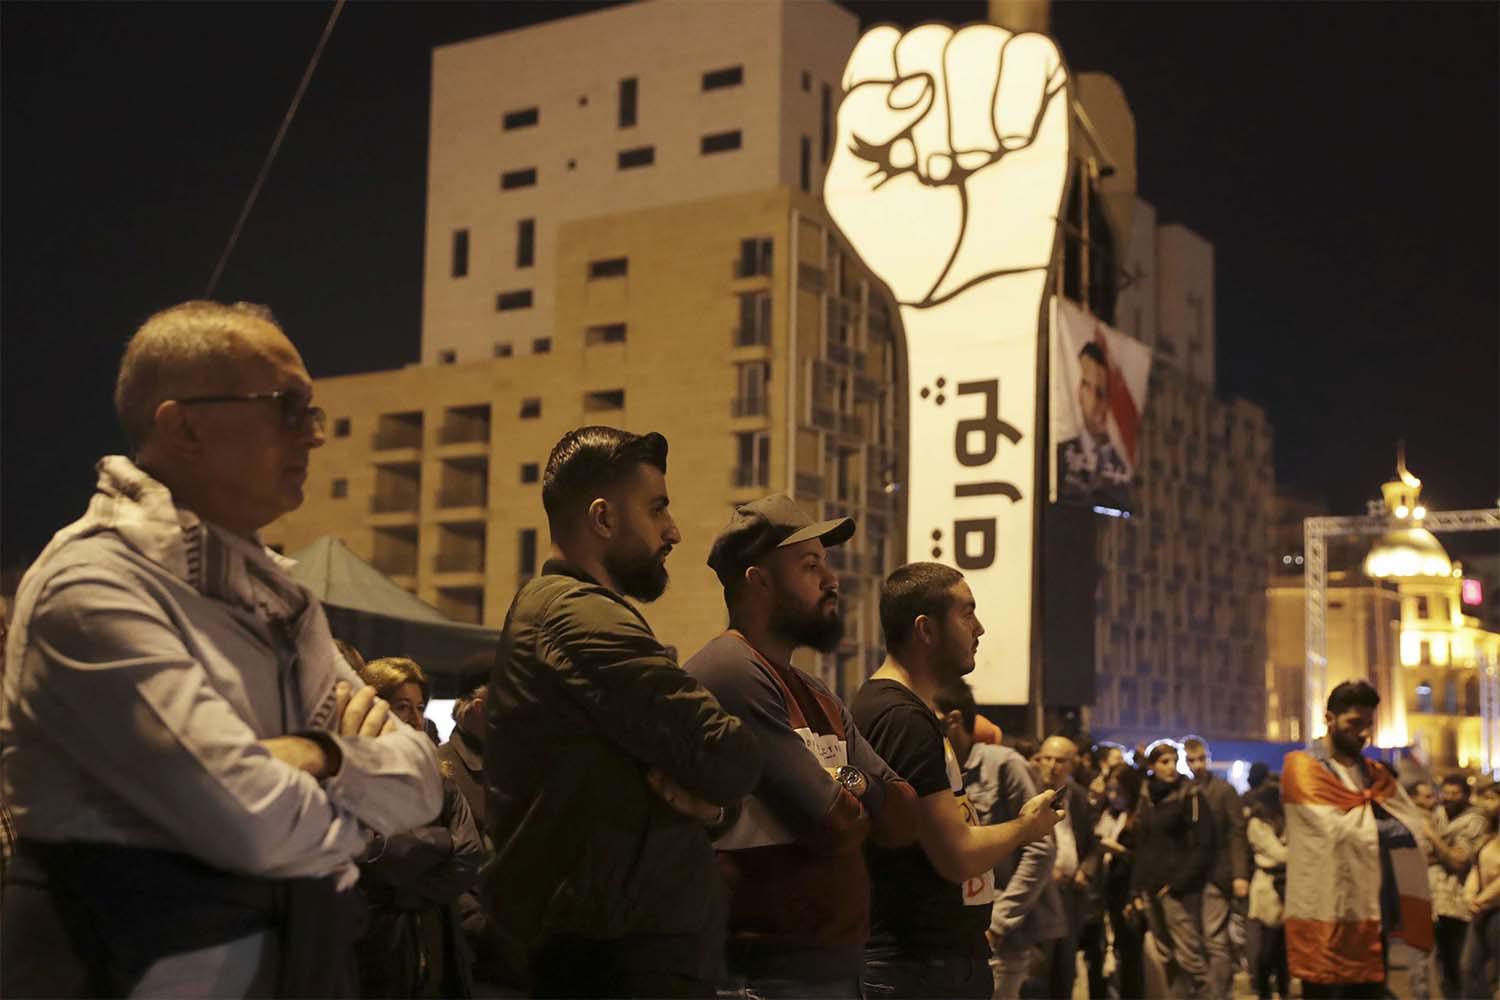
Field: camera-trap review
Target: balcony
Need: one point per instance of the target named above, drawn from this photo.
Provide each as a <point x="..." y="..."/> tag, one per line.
<point x="459" y="562"/>
<point x="398" y="503"/>
<point x="811" y="278"/>
<point x="465" y="496"/>
<point x="823" y="419"/>
<point x="749" y="406"/>
<point x="464" y="432"/>
<point x="852" y="423"/>
<point x="752" y="336"/>
<point x="809" y="485"/>
<point x="744" y="476"/>
<point x="393" y="438"/>
<point x="396" y="565"/>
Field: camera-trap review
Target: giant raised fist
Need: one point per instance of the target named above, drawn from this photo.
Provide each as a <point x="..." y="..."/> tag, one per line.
<point x="951" y="158"/>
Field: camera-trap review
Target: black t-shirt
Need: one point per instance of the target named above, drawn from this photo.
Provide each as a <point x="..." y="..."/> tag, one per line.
<point x="913" y="907"/>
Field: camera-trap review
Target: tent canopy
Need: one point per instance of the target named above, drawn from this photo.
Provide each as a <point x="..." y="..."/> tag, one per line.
<point x="376" y="616"/>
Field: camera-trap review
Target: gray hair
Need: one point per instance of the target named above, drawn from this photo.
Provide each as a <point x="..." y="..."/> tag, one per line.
<point x="179" y="352"/>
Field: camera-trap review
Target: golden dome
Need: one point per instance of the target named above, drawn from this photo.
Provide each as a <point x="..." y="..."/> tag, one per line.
<point x="1405" y="552"/>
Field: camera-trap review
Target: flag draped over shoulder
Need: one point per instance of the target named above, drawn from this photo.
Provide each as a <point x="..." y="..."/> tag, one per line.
<point x="1335" y="864"/>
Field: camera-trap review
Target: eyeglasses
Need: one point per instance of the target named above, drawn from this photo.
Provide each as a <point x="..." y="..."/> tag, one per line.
<point x="297" y="411"/>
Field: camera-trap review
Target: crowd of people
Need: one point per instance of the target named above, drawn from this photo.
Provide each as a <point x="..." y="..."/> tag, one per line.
<point x="212" y="797"/>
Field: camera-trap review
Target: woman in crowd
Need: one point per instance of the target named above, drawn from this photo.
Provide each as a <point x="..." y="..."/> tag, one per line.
<point x="1265" y="942"/>
<point x="1114" y="858"/>
<point x="412" y="946"/>
<point x="1174" y="850"/>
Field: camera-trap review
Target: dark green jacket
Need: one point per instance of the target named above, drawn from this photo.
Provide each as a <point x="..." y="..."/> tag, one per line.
<point x="583" y="700"/>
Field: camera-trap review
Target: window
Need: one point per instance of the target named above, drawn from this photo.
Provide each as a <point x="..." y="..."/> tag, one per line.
<point x="447" y="357"/>
<point x="520" y="299"/>
<point x="604" y="333"/>
<point x="752" y="458"/>
<point x="524" y="118"/>
<point x="526" y="553"/>
<point x="531" y="408"/>
<point x="755" y="320"/>
<point x="730" y="76"/>
<point x="805" y="169"/>
<point x="613" y="267"/>
<point x="720" y="142"/>
<point x="752" y="379"/>
<point x="806" y="80"/>
<point x="825" y="123"/>
<point x="541" y="345"/>
<point x="460" y="253"/>
<point x="628" y="90"/>
<point x="503" y="349"/>
<point x="530" y="472"/>
<point x="642" y="157"/>
<point x="755" y="258"/>
<point x="608" y="399"/>
<point x="341" y="427"/>
<point x="518" y="179"/>
<point x="340" y="489"/>
<point x="1421" y="609"/>
<point x="525" y="243"/>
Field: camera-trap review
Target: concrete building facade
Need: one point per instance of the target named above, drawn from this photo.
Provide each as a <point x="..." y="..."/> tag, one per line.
<point x="696" y="291"/>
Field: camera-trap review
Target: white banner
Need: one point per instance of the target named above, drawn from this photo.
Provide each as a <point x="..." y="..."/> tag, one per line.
<point x="1098" y="379"/>
<point x="947" y="179"/>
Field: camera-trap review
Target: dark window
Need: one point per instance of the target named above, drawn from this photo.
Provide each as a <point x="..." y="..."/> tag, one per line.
<point x="627" y="102"/>
<point x="642" y="157"/>
<point x="721" y="142"/>
<point x="755" y="258"/>
<point x="730" y="76"/>
<point x="531" y="408"/>
<point x="530" y="472"/>
<point x="341" y="427"/>
<point x="613" y="267"/>
<point x="340" y="489"/>
<point x="503" y="349"/>
<point x="513" y="300"/>
<point x="605" y="333"/>
<point x="525" y="243"/>
<point x="609" y="399"/>
<point x="518" y="179"/>
<point x="825" y="123"/>
<point x="460" y="252"/>
<point x="526" y="553"/>
<point x="541" y="345"/>
<point x="447" y="357"/>
<point x="521" y="118"/>
<point x="805" y="175"/>
<point x="806" y="80"/>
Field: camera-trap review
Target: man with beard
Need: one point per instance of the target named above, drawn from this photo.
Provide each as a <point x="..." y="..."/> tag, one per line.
<point x="1355" y="856"/>
<point x="931" y="902"/>
<point x="799" y="892"/>
<point x="606" y="765"/>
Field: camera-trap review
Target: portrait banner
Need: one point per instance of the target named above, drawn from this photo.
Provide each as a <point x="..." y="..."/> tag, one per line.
<point x="1098" y="380"/>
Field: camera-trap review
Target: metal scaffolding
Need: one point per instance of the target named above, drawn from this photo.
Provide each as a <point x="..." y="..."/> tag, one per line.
<point x="1315" y="532"/>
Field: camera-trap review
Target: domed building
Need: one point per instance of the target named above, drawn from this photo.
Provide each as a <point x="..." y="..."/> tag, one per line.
<point x="1395" y="617"/>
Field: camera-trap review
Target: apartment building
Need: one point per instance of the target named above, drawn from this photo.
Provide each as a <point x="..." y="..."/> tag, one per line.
<point x="1179" y="613"/>
<point x="622" y="229"/>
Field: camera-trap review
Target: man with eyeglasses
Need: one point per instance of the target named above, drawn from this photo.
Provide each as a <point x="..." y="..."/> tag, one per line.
<point x="191" y="764"/>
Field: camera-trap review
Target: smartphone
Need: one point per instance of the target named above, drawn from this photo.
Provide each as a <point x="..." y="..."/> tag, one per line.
<point x="1058" y="803"/>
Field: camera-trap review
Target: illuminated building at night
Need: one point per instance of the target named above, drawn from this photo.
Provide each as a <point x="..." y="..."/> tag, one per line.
<point x="1403" y="616"/>
<point x="623" y="228"/>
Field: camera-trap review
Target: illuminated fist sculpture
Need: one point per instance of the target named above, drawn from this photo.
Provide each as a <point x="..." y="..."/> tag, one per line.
<point x="947" y="179"/>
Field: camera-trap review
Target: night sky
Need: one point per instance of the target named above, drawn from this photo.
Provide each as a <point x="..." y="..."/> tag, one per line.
<point x="1341" y="157"/>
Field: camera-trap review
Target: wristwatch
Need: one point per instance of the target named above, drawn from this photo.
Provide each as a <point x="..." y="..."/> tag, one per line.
<point x="853" y="779"/>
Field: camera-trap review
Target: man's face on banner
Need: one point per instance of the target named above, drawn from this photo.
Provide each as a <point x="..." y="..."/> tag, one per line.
<point x="1093" y="395"/>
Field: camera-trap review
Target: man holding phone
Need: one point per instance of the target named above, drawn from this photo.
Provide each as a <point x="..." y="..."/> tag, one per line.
<point x="931" y="903"/>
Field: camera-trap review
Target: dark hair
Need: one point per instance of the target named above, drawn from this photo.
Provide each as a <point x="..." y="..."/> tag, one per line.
<point x="919" y="588"/>
<point x="1265" y="805"/>
<point x="1194" y="743"/>
<point x="1160" y="748"/>
<point x="1129" y="780"/>
<point x="1259" y="771"/>
<point x="1026" y="746"/>
<point x="388" y="673"/>
<point x="1093" y="352"/>
<point x="1457" y="781"/>
<point x="956" y="694"/>
<point x="589" y="461"/>
<point x="1352" y="694"/>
